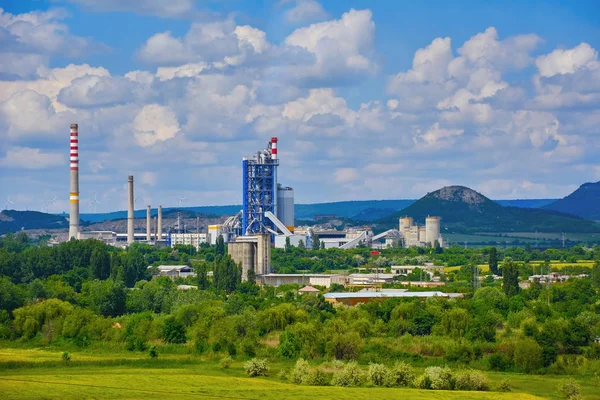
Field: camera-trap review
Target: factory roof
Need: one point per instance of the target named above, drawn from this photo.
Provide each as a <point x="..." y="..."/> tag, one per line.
<point x="350" y="295"/>
<point x="291" y="275"/>
<point x="373" y="276"/>
<point x="309" y="289"/>
<point x="172" y="267"/>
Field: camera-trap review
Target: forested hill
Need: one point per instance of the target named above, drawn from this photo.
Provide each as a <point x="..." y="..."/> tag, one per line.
<point x="464" y="210"/>
<point x="13" y="221"/>
<point x="584" y="202"/>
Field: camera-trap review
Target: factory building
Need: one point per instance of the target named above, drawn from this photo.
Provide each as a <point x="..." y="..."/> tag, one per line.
<point x="190" y="239"/>
<point x="252" y="252"/>
<point x="414" y="235"/>
<point x="285" y="206"/>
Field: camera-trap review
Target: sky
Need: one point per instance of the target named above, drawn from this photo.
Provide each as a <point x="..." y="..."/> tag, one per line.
<point x="369" y="99"/>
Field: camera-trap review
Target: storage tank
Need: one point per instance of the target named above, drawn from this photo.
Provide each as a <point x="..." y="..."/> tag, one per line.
<point x="285" y="206"/>
<point x="432" y="226"/>
<point x="422" y="234"/>
<point x="405" y="223"/>
<point x="214" y="231"/>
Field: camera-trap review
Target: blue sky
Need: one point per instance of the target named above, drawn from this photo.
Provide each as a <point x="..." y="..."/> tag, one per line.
<point x="370" y="99"/>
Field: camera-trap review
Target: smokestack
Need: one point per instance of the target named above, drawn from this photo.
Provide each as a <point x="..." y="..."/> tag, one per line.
<point x="148" y="225"/>
<point x="74" y="192"/>
<point x="159" y="230"/>
<point x="155" y="229"/>
<point x="130" y="237"/>
<point x="274" y="148"/>
<point x="179" y="222"/>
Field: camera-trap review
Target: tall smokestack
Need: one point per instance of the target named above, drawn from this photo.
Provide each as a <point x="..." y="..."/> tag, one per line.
<point x="74" y="193"/>
<point x="148" y="225"/>
<point x="130" y="237"/>
<point x="159" y="230"/>
<point x="274" y="148"/>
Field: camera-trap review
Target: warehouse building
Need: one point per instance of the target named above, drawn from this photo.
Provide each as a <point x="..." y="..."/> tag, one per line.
<point x="354" y="298"/>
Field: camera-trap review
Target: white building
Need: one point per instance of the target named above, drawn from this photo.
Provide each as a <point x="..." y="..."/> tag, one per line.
<point x="191" y="239"/>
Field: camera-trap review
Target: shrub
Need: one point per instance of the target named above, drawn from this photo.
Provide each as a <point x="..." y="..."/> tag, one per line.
<point x="472" y="380"/>
<point x="344" y="346"/>
<point x="153" y="352"/>
<point x="570" y="390"/>
<point x="283" y="374"/>
<point x="528" y="355"/>
<point x="315" y="377"/>
<point x="256" y="367"/>
<point x="500" y="362"/>
<point x="300" y="371"/>
<point x="437" y="378"/>
<point x="504" y="386"/>
<point x="402" y="374"/>
<point x="350" y="375"/>
<point x="225" y="362"/>
<point x="174" y="330"/>
<point x="66" y="357"/>
<point x="459" y="352"/>
<point x="378" y="374"/>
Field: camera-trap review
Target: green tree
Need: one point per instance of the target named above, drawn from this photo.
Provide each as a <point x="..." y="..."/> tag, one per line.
<point x="493" y="261"/>
<point x="288" y="245"/>
<point x="251" y="276"/>
<point x="100" y="263"/>
<point x="510" y="275"/>
<point x="105" y="297"/>
<point x="220" y="246"/>
<point x="135" y="267"/>
<point x="202" y="271"/>
<point x="174" y="330"/>
<point x="316" y="243"/>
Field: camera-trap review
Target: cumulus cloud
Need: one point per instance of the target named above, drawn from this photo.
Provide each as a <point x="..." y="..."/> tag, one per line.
<point x="345" y="175"/>
<point x="567" y="61"/>
<point x="27" y="40"/>
<point x="153" y="124"/>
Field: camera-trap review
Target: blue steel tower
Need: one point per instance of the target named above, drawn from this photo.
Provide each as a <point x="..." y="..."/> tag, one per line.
<point x="259" y="190"/>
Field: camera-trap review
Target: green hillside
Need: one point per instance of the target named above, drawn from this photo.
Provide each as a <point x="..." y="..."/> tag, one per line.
<point x="584" y="202"/>
<point x="14" y="221"/>
<point x="464" y="210"/>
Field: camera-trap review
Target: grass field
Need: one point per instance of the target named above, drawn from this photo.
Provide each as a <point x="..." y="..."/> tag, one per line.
<point x="553" y="264"/>
<point x="39" y="373"/>
<point x="524" y="238"/>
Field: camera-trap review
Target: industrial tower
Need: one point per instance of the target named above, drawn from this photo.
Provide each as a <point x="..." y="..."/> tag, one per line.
<point x="259" y="190"/>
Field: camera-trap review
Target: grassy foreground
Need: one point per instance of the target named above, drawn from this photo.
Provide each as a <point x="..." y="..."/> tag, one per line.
<point x="39" y="373"/>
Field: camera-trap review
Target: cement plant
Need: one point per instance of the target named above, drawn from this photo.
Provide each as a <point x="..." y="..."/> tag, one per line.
<point x="266" y="219"/>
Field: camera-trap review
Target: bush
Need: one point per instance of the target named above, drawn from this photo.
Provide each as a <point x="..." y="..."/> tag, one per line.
<point x="174" y="330"/>
<point x="402" y="374"/>
<point x="256" y="367"/>
<point x="528" y="355"/>
<point x="225" y="362"/>
<point x="315" y="377"/>
<point x="350" y="375"/>
<point x="283" y="374"/>
<point x="66" y="357"/>
<point x="459" y="352"/>
<point x="300" y="371"/>
<point x="500" y="362"/>
<point x="472" y="380"/>
<point x="437" y="378"/>
<point x="570" y="390"/>
<point x="505" y="386"/>
<point x="377" y="374"/>
<point x="153" y="352"/>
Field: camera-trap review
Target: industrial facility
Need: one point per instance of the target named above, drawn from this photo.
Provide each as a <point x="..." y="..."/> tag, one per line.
<point x="420" y="236"/>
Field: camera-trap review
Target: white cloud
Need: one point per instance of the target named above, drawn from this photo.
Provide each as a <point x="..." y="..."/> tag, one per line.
<point x="436" y="137"/>
<point x="28" y="158"/>
<point x="305" y="11"/>
<point x="345" y="175"/>
<point x="567" y="61"/>
<point x="153" y="124"/>
<point x="341" y="47"/>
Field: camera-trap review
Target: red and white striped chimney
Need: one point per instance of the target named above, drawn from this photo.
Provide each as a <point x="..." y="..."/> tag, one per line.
<point x="74" y="192"/>
<point x="274" y="148"/>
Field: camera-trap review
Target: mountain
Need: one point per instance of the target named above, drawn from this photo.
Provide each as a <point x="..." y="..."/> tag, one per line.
<point x="373" y="214"/>
<point x="525" y="203"/>
<point x="13" y="221"/>
<point x="464" y="210"/>
<point x="584" y="202"/>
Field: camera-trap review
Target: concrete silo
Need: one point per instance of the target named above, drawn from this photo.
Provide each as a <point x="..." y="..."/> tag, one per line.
<point x="405" y="223"/>
<point x="432" y="228"/>
<point x="422" y="234"/>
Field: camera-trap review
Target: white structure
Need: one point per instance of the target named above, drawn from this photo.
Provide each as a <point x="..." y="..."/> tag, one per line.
<point x="175" y="271"/>
<point x="370" y="279"/>
<point x="325" y="280"/>
<point x="191" y="239"/>
<point x="432" y="228"/>
<point x="107" y="237"/>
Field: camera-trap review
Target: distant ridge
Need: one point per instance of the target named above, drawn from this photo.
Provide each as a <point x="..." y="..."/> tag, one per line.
<point x="14" y="221"/>
<point x="583" y="202"/>
<point x="464" y="210"/>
